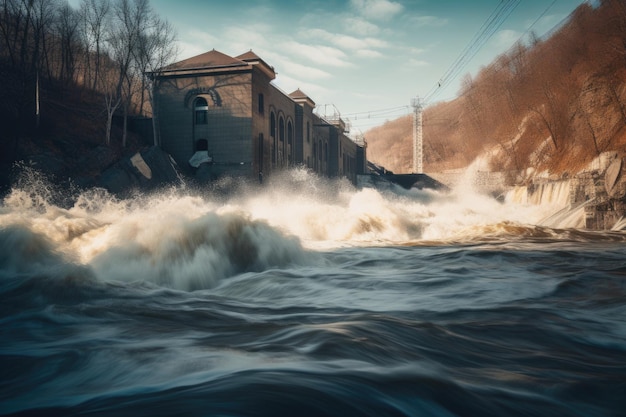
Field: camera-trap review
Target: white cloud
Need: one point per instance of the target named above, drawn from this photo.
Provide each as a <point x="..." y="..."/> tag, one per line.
<point x="360" y="26"/>
<point x="377" y="9"/>
<point x="415" y="51"/>
<point x="303" y="71"/>
<point x="350" y="42"/>
<point x="368" y="53"/>
<point x="289" y="84"/>
<point x="431" y="21"/>
<point x="345" y="41"/>
<point x="289" y="71"/>
<point x="320" y="54"/>
<point x="417" y="63"/>
<point x="249" y="37"/>
<point x="195" y="42"/>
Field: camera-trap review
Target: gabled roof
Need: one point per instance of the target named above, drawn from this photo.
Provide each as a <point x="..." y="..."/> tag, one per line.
<point x="213" y="61"/>
<point x="249" y="56"/>
<point x="300" y="97"/>
<point x="254" y="59"/>
<point x="209" y="59"/>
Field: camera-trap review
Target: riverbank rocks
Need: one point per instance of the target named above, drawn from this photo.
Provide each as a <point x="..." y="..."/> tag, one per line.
<point x="146" y="170"/>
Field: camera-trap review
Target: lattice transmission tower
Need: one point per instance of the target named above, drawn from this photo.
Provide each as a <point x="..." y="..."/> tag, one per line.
<point x="418" y="145"/>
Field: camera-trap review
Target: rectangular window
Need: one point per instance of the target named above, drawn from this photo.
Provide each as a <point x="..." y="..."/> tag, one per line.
<point x="261" y="104"/>
<point x="260" y="154"/>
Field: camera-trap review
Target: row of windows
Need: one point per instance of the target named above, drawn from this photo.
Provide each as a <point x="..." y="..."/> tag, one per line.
<point x="201" y="116"/>
<point x="281" y="128"/>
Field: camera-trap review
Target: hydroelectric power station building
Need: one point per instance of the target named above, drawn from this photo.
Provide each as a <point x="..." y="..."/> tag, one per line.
<point x="219" y="115"/>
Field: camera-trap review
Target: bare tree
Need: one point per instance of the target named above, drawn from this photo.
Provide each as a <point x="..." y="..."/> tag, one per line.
<point x="67" y="25"/>
<point x="116" y="79"/>
<point x="42" y="14"/>
<point x="127" y="35"/>
<point x="12" y="23"/>
<point x="109" y="84"/>
<point x="124" y="40"/>
<point x="95" y="15"/>
<point x="587" y="118"/>
<point x="156" y="49"/>
<point x="23" y="26"/>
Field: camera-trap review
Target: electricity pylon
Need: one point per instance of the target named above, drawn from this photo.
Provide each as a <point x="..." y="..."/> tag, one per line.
<point x="418" y="146"/>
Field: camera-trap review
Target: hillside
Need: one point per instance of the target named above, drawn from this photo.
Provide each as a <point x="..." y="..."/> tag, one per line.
<point x="68" y="140"/>
<point x="554" y="105"/>
<point x="75" y="95"/>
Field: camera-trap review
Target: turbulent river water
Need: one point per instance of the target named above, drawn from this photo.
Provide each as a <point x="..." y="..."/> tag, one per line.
<point x="305" y="298"/>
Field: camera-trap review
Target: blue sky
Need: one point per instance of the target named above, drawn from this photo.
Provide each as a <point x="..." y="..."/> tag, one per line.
<point x="367" y="58"/>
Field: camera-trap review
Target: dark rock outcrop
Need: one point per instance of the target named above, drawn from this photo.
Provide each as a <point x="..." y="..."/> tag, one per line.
<point x="146" y="170"/>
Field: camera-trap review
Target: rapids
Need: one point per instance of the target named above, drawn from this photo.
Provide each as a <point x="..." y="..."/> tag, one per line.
<point x="307" y="297"/>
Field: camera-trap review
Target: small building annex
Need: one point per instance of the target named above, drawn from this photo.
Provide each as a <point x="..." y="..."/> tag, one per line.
<point x="220" y="115"/>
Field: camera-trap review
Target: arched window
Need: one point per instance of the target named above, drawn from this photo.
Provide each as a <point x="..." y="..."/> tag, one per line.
<point x="273" y="136"/>
<point x="289" y="132"/>
<point x="281" y="129"/>
<point x="201" y="111"/>
<point x="289" y="142"/>
<point x="281" y="137"/>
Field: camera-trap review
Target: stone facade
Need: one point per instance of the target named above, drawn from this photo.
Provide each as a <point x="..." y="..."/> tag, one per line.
<point x="227" y="108"/>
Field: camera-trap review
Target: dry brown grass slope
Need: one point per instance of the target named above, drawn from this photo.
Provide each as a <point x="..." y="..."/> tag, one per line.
<point x="554" y="105"/>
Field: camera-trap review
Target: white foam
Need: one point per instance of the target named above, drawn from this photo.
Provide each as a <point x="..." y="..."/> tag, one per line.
<point x="193" y="241"/>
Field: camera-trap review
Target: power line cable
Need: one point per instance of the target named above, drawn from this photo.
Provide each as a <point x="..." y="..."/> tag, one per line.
<point x="376" y="111"/>
<point x="537" y="20"/>
<point x="489" y="27"/>
<point x="495" y="20"/>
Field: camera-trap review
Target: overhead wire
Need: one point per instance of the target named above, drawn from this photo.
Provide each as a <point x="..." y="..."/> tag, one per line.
<point x="537" y="20"/>
<point x="376" y="111"/>
<point x="489" y="27"/>
<point x="369" y="118"/>
<point x="486" y="31"/>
